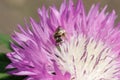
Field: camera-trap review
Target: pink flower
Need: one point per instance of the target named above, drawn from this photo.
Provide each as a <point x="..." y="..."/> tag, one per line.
<point x="68" y="44"/>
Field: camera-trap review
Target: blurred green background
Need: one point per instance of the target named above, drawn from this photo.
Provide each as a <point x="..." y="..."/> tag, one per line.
<point x="13" y="12"/>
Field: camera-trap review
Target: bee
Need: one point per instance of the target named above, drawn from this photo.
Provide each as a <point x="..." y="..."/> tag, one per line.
<point x="59" y="35"/>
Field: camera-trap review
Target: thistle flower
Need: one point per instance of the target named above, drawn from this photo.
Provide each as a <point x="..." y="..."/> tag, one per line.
<point x="68" y="44"/>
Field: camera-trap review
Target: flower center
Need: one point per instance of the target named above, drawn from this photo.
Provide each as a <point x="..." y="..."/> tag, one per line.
<point x="87" y="59"/>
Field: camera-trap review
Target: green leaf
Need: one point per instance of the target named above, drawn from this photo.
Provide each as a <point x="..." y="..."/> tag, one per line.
<point x="5" y="40"/>
<point x="3" y="75"/>
<point x="12" y="78"/>
<point x="4" y="61"/>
